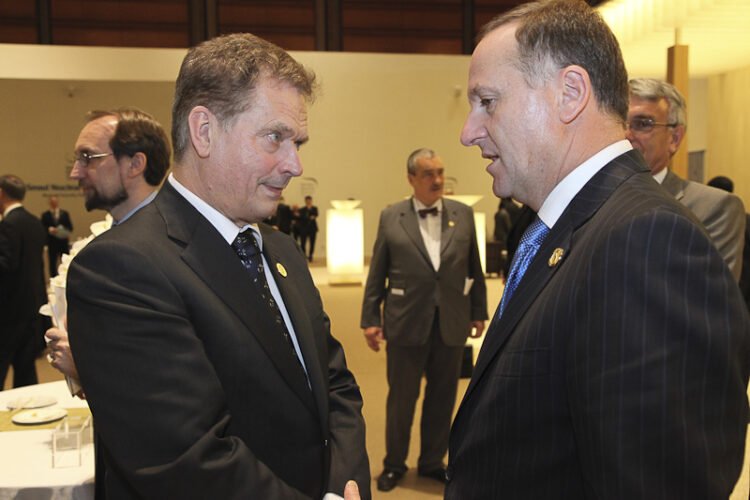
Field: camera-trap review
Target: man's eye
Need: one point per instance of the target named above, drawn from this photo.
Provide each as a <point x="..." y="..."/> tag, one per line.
<point x="274" y="136"/>
<point x="486" y="103"/>
<point x="298" y="144"/>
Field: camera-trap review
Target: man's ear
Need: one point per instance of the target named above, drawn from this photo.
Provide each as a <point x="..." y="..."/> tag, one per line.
<point x="678" y="133"/>
<point x="575" y="91"/>
<point x="200" y="120"/>
<point x="137" y="165"/>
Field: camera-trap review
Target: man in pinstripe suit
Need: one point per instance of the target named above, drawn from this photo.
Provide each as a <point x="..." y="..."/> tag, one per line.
<point x="618" y="366"/>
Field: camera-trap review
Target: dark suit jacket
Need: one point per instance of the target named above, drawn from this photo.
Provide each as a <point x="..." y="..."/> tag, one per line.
<point x="619" y="372"/>
<point x="414" y="288"/>
<point x="308" y="225"/>
<point x="49" y="221"/>
<point x="22" y="289"/>
<point x="193" y="396"/>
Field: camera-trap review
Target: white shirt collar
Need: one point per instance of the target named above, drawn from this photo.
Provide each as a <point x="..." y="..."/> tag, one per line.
<point x="561" y="196"/>
<point x="10" y="207"/>
<point x="223" y="225"/>
<point x="661" y="175"/>
<point x="418" y="205"/>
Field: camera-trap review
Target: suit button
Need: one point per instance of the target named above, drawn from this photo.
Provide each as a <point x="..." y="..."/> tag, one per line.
<point x="449" y="473"/>
<point x="325" y="443"/>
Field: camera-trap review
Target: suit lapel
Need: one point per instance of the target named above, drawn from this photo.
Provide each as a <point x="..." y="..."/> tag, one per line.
<point x="410" y="223"/>
<point x="674" y="185"/>
<point x="214" y="261"/>
<point x="583" y="206"/>
<point x="448" y="225"/>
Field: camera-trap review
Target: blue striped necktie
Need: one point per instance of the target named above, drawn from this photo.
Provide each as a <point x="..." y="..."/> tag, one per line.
<point x="530" y="242"/>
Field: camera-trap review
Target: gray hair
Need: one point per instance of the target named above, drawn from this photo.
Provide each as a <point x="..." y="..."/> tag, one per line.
<point x="653" y="89"/>
<point x="411" y="163"/>
<point x="553" y="34"/>
<point x="222" y="75"/>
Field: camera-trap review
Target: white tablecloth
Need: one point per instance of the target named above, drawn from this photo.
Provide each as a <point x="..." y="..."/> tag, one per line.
<point x="26" y="470"/>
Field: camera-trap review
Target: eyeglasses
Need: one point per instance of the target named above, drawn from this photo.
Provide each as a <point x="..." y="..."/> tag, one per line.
<point x="646" y="124"/>
<point x="84" y="158"/>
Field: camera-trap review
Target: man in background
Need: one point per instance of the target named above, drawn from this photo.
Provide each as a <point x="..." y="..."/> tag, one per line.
<point x="198" y="334"/>
<point x="122" y="156"/>
<point x="308" y="220"/>
<point x="22" y="289"/>
<point x="617" y="363"/>
<point x="426" y="274"/>
<point x="58" y="225"/>
<point x="657" y="121"/>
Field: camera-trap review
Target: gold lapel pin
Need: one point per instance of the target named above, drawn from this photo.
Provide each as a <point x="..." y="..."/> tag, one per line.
<point x="451" y="223"/>
<point x="556" y="257"/>
<point x="281" y="269"/>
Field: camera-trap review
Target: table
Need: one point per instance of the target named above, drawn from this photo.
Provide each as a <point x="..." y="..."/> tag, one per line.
<point x="26" y="470"/>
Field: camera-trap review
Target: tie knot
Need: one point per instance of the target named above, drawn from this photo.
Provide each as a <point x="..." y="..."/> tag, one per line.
<point x="535" y="233"/>
<point x="246" y="244"/>
<point x="424" y="212"/>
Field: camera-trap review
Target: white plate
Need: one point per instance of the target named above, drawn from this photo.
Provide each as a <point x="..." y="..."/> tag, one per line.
<point x="31" y="402"/>
<point x="39" y="416"/>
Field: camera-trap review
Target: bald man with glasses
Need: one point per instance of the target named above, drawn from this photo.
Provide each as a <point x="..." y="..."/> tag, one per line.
<point x="656" y="126"/>
<point x="121" y="157"/>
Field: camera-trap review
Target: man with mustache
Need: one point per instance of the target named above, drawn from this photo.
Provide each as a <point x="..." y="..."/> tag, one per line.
<point x="426" y="274"/>
<point x="199" y="336"/>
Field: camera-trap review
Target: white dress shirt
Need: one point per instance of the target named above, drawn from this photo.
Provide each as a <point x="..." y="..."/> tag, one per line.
<point x="431" y="227"/>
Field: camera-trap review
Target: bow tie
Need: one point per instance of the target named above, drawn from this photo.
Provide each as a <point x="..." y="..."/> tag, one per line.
<point x="424" y="212"/>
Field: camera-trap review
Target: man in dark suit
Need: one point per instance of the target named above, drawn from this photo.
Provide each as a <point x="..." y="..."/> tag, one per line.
<point x="308" y="220"/>
<point x="617" y="363"/>
<point x="425" y="271"/>
<point x="122" y="156"/>
<point x="200" y="339"/>
<point x="22" y="289"/>
<point x="657" y="120"/>
<point x="58" y="225"/>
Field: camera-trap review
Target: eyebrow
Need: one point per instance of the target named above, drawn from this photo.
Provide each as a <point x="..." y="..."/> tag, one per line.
<point x="480" y="89"/>
<point x="285" y="131"/>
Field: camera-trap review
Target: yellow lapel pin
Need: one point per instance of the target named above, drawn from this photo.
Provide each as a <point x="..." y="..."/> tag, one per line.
<point x="281" y="269"/>
<point x="556" y="257"/>
<point x="451" y="223"/>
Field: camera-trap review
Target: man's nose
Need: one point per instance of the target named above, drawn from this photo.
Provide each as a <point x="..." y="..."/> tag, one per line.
<point x="77" y="171"/>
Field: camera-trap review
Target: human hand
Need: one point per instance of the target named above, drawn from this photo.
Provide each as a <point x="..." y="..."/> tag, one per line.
<point x="351" y="491"/>
<point x="60" y="356"/>
<point x="374" y="337"/>
<point x="479" y="326"/>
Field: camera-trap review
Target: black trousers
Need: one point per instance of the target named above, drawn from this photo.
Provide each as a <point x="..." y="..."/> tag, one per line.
<point x="308" y="236"/>
<point x="18" y="348"/>
<point x="441" y="365"/>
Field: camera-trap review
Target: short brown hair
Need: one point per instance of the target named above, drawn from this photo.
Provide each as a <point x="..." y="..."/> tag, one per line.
<point x="13" y="187"/>
<point x="567" y="32"/>
<point x="138" y="132"/>
<point x="222" y="73"/>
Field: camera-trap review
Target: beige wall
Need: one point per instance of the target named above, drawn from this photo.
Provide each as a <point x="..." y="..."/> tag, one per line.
<point x="373" y="111"/>
<point x="39" y="123"/>
<point x="728" y="137"/>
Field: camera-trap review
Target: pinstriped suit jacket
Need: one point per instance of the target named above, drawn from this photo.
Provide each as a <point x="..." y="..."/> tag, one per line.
<point x="618" y="373"/>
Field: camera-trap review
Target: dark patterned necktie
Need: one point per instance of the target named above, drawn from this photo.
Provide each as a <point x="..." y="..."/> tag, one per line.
<point x="530" y="242"/>
<point x="248" y="251"/>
